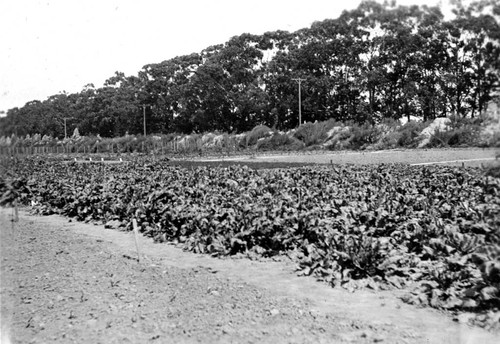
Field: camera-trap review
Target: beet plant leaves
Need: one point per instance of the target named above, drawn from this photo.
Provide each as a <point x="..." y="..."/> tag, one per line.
<point x="433" y="229"/>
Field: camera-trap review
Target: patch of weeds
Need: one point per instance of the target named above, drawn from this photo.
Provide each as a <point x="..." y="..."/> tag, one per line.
<point x="409" y="134"/>
<point x="314" y="133"/>
<point x="251" y="138"/>
<point x="279" y="142"/>
<point x="363" y="135"/>
<point x="461" y="132"/>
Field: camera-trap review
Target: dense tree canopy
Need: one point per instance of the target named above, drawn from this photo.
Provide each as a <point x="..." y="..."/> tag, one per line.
<point x="374" y="62"/>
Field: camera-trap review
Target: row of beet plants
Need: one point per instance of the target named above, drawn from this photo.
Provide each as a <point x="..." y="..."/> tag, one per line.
<point x="434" y="230"/>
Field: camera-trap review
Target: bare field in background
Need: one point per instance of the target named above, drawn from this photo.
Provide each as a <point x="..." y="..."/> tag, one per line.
<point x="472" y="157"/>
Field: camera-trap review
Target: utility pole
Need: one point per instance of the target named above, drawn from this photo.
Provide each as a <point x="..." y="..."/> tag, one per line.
<point x="65" y="132"/>
<point x="144" y="117"/>
<point x="299" y="81"/>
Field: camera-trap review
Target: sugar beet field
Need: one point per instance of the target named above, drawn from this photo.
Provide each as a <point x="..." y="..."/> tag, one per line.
<point x="432" y="231"/>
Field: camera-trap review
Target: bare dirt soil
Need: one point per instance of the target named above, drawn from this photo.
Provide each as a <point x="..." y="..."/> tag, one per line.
<point x="69" y="282"/>
<point x="471" y="157"/>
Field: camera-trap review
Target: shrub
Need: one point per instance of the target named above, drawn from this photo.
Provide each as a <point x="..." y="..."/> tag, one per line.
<point x="314" y="133"/>
<point x="495" y="140"/>
<point x="191" y="144"/>
<point x="280" y="142"/>
<point x="462" y="132"/>
<point x="390" y="140"/>
<point x="257" y="133"/>
<point x="490" y="130"/>
<point x="340" y="139"/>
<point x="439" y="139"/>
<point x="363" y="135"/>
<point x="409" y="134"/>
<point x="387" y="134"/>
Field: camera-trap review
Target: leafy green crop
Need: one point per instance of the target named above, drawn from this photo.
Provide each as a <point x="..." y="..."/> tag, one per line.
<point x="433" y="229"/>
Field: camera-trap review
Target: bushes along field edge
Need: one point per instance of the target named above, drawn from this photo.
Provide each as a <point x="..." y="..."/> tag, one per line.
<point x="453" y="131"/>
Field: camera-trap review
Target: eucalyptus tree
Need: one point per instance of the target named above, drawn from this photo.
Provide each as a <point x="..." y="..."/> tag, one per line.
<point x="228" y="88"/>
<point x="166" y="91"/>
<point x="373" y="62"/>
<point x="479" y="44"/>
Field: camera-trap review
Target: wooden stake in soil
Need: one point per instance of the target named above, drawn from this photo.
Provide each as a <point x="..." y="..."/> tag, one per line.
<point x="136" y="235"/>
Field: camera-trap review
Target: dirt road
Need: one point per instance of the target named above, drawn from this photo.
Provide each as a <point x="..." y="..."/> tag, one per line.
<point x="68" y="282"/>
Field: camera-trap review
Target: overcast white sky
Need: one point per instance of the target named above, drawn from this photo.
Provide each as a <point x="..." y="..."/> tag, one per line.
<point x="51" y="46"/>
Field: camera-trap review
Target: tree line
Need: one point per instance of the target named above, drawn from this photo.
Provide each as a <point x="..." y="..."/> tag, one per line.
<point x="374" y="62"/>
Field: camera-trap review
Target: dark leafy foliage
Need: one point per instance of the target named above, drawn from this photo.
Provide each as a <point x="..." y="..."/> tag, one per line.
<point x="435" y="229"/>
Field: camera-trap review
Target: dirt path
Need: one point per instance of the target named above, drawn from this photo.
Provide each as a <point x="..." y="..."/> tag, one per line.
<point x="67" y="282"/>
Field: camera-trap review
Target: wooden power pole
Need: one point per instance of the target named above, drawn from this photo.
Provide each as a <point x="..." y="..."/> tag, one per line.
<point x="144" y="117"/>
<point x="299" y="81"/>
